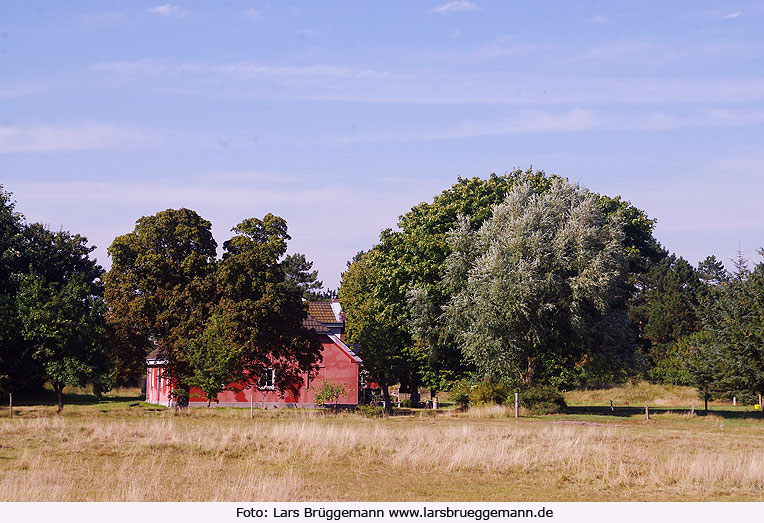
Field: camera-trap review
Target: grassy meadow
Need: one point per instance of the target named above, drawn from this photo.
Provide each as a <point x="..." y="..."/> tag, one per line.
<point x="109" y="451"/>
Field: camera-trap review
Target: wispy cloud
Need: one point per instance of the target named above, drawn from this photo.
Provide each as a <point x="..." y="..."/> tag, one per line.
<point x="600" y="19"/>
<point x="568" y="121"/>
<point x="169" y="10"/>
<point x="253" y="15"/>
<point x="153" y="66"/>
<point x="20" y="90"/>
<point x="105" y="19"/>
<point x="523" y="122"/>
<point x="76" y="137"/>
<point x="104" y="209"/>
<point x="730" y="16"/>
<point x="342" y="83"/>
<point x="457" y="6"/>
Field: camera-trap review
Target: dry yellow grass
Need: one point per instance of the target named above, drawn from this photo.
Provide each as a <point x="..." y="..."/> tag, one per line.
<point x="221" y="455"/>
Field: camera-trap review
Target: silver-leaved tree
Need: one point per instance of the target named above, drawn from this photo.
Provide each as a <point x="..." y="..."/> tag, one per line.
<point x="538" y="289"/>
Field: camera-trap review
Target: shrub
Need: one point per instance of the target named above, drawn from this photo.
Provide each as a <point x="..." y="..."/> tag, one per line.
<point x="486" y="393"/>
<point x="407" y="404"/>
<point x="329" y="393"/>
<point x="542" y="399"/>
<point x="460" y="393"/>
<point x="370" y="411"/>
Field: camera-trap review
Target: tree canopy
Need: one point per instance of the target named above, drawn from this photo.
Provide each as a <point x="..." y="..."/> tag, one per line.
<point x="410" y="267"/>
<point x="51" y="308"/>
<point x="538" y="284"/>
<point x="217" y="323"/>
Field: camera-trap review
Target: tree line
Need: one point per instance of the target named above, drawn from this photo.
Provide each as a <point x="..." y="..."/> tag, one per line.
<point x="527" y="280"/>
<point x="216" y="322"/>
<point x="512" y="282"/>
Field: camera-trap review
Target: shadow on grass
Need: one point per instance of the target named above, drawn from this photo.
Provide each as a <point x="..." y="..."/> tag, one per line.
<point x="626" y="412"/>
<point x="48" y="398"/>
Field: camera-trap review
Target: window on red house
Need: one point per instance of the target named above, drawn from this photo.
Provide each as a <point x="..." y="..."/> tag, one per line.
<point x="267" y="379"/>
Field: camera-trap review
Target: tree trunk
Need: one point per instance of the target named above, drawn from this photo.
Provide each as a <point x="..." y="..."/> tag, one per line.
<point x="531" y="370"/>
<point x="181" y="393"/>
<point x="386" y="398"/>
<point x="59" y="388"/>
<point x="415" y="397"/>
<point x="705" y="397"/>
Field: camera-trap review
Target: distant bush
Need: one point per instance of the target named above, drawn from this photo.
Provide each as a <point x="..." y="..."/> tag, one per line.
<point x="488" y="393"/>
<point x="370" y="411"/>
<point x="407" y="404"/>
<point x="460" y="393"/>
<point x="542" y="399"/>
<point x="329" y="393"/>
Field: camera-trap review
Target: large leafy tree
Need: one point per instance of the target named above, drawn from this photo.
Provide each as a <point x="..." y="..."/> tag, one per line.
<point x="18" y="370"/>
<point x="160" y="289"/>
<point x="411" y="268"/>
<point x="263" y="308"/>
<point x="538" y="285"/>
<point x="60" y="307"/>
<point x="219" y="324"/>
<point x="373" y="325"/>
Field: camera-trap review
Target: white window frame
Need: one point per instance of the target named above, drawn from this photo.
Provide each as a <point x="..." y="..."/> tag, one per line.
<point x="270" y="376"/>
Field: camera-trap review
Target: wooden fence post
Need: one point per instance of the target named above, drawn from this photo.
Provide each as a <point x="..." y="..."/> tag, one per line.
<point x="760" y="404"/>
<point x="734" y="401"/>
<point x="10" y="404"/>
<point x="692" y="411"/>
<point x="647" y="412"/>
<point x="612" y="409"/>
<point x="517" y="406"/>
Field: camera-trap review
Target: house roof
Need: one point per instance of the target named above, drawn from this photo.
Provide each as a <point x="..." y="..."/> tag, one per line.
<point x="325" y="311"/>
<point x="153" y="358"/>
<point x="311" y="323"/>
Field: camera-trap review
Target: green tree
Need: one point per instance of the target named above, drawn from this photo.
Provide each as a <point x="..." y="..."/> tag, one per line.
<point x="298" y="271"/>
<point x="411" y="282"/>
<point x="539" y="284"/>
<point x="733" y="323"/>
<point x="373" y="325"/>
<point x="329" y="393"/>
<point x="160" y="290"/>
<point x="213" y="357"/>
<point x="60" y="307"/>
<point x="665" y="308"/>
<point x="17" y="369"/>
<point x="262" y="307"/>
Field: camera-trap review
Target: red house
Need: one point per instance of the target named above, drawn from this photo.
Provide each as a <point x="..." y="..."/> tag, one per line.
<point x="339" y="365"/>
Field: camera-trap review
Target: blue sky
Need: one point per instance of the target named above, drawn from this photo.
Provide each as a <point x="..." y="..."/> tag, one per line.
<point x="339" y="116"/>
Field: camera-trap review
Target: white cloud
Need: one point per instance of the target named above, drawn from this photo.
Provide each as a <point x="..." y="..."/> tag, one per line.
<point x="76" y="137"/>
<point x="730" y="16"/>
<point x="253" y="15"/>
<point x="457" y="6"/>
<point x="600" y="19"/>
<point x="169" y="10"/>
